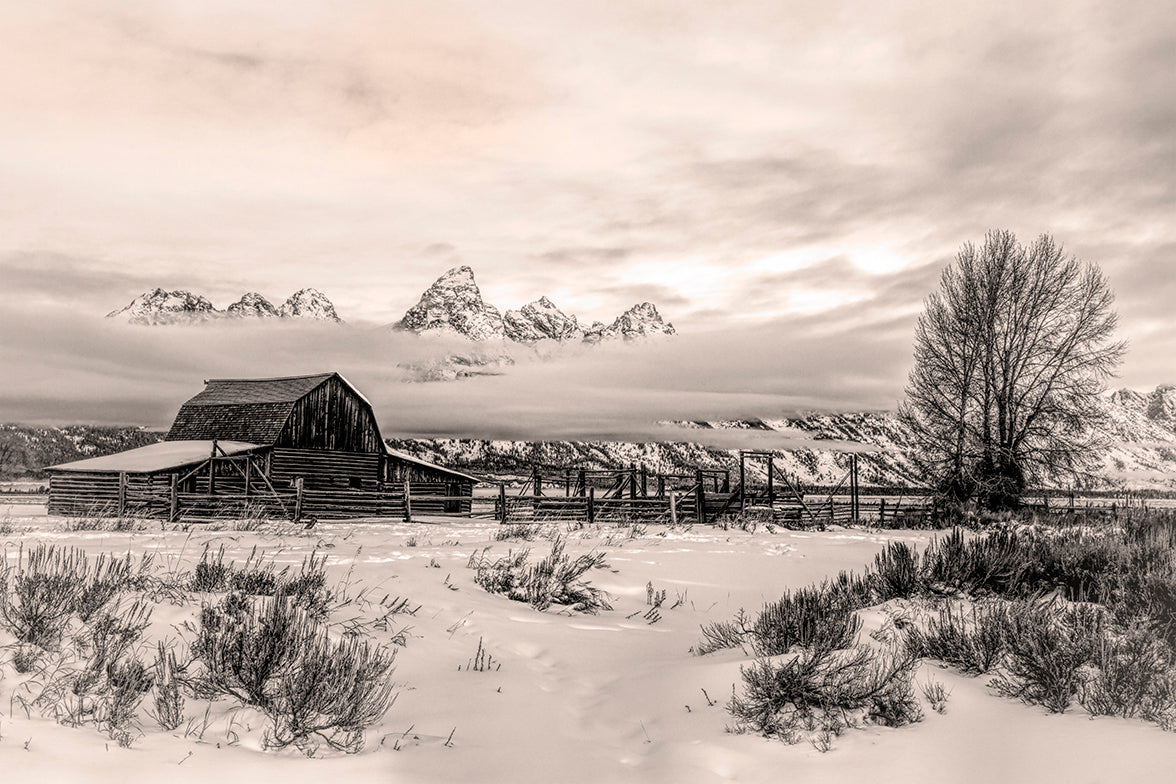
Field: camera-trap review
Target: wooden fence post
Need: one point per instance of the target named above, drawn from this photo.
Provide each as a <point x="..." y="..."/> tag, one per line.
<point x="248" y="474"/>
<point x="591" y="505"/>
<point x="673" y="508"/>
<point x="538" y="481"/>
<point x="297" y="499"/>
<point x="174" y="507"/>
<point x="661" y="486"/>
<point x="632" y="481"/>
<point x="771" y="501"/>
<point x="122" y="494"/>
<point x="644" y="482"/>
<point x="502" y="502"/>
<point x="700" y="498"/>
<point x="742" y="480"/>
<point x="407" y="502"/>
<point x="583" y="484"/>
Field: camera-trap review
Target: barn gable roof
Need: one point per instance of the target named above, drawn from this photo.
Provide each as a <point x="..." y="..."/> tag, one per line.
<point x="245" y="409"/>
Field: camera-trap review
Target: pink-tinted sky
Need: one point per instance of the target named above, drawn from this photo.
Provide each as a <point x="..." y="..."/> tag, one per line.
<point x="789" y="176"/>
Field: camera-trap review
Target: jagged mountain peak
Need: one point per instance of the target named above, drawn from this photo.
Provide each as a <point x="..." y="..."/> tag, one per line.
<point x="640" y="321"/>
<point x="540" y="320"/>
<point x="309" y="304"/>
<point x="453" y="303"/>
<point x="159" y="306"/>
<point x="252" y="305"/>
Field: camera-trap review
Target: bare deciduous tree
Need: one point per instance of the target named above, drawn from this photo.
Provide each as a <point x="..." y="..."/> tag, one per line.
<point x="1011" y="356"/>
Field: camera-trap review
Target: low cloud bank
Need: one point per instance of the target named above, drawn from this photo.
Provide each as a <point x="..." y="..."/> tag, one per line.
<point x="62" y="367"/>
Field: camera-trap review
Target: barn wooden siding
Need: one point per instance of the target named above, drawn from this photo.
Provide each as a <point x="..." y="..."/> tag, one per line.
<point x="332" y="417"/>
<point x="322" y="468"/>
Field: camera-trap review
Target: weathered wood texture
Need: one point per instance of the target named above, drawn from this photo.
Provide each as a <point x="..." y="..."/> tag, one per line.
<point x="322" y="468"/>
<point x="332" y="417"/>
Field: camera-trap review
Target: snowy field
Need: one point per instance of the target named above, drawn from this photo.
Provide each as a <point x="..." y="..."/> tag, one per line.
<point x="567" y="697"/>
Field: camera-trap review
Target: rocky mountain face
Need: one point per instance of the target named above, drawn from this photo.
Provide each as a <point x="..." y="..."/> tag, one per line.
<point x="540" y="320"/>
<point x="454" y="305"/>
<point x="252" y="305"/>
<point x="166" y="307"/>
<point x="1141" y="453"/>
<point x="1158" y="406"/>
<point x="309" y="304"/>
<point x="159" y="307"/>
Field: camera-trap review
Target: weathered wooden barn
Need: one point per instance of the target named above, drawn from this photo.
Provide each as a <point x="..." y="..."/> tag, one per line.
<point x="300" y="446"/>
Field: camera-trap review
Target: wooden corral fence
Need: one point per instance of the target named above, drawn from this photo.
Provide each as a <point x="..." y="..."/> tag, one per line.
<point x="704" y="496"/>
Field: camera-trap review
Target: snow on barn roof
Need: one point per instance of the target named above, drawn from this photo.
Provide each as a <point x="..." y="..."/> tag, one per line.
<point x="155" y="457"/>
<point x="406" y="457"/>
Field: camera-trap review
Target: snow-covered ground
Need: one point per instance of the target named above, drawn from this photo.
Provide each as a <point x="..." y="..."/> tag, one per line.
<point x="568" y="697"/>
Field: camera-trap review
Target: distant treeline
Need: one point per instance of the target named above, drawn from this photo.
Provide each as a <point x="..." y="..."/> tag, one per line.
<point x="25" y="450"/>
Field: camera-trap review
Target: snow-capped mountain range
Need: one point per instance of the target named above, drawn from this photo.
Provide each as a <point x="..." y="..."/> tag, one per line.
<point x="1141" y="431"/>
<point x="158" y="307"/>
<point x="454" y="305"/>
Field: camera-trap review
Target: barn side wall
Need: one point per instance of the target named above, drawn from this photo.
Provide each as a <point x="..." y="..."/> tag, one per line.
<point x="322" y="468"/>
<point x="332" y="417"/>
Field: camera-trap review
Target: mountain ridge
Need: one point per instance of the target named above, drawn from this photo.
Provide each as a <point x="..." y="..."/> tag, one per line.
<point x="159" y="307"/>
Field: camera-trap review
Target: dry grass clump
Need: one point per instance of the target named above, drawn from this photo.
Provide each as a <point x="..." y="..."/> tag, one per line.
<point x="556" y="579"/>
<point x="259" y="577"/>
<point x="973" y="642"/>
<point x="49" y="585"/>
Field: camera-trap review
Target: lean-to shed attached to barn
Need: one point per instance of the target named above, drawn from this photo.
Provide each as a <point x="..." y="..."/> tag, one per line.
<point x="304" y="445"/>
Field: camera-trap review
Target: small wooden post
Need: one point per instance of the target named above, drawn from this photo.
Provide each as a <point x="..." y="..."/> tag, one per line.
<point x="174" y="507"/>
<point x="407" y="502"/>
<point x="583" y="485"/>
<point x="853" y="487"/>
<point x="882" y="514"/>
<point x="122" y="494"/>
<point x="632" y="481"/>
<point x="771" y="501"/>
<point x="700" y="497"/>
<point x="591" y="505"/>
<point x="297" y="499"/>
<point x="742" y="482"/>
<point x="726" y="480"/>
<point x="661" y="486"/>
<point x="248" y="474"/>
<point x="673" y="508"/>
<point x="501" y="502"/>
<point x="538" y="480"/>
<point x="567" y="482"/>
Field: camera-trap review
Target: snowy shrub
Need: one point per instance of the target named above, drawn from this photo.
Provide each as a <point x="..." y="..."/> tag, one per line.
<point x="804" y="693"/>
<point x="169" y="701"/>
<point x="896" y="572"/>
<point x="556" y="579"/>
<point x="1048" y="648"/>
<point x="49" y="584"/>
<point x="271" y="654"/>
<point x="974" y="643"/>
<point x="807" y="618"/>
<point x="1135" y="676"/>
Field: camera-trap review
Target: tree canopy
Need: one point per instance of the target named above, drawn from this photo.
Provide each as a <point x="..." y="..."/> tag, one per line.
<point x="1012" y="354"/>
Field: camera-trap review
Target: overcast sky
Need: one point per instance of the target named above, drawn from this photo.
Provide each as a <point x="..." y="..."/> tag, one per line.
<point x="784" y="179"/>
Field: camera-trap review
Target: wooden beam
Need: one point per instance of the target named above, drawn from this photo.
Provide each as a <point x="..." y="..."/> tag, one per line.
<point x="174" y="506"/>
<point x="407" y="502"/>
<point x="297" y="499"/>
<point x="122" y="493"/>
